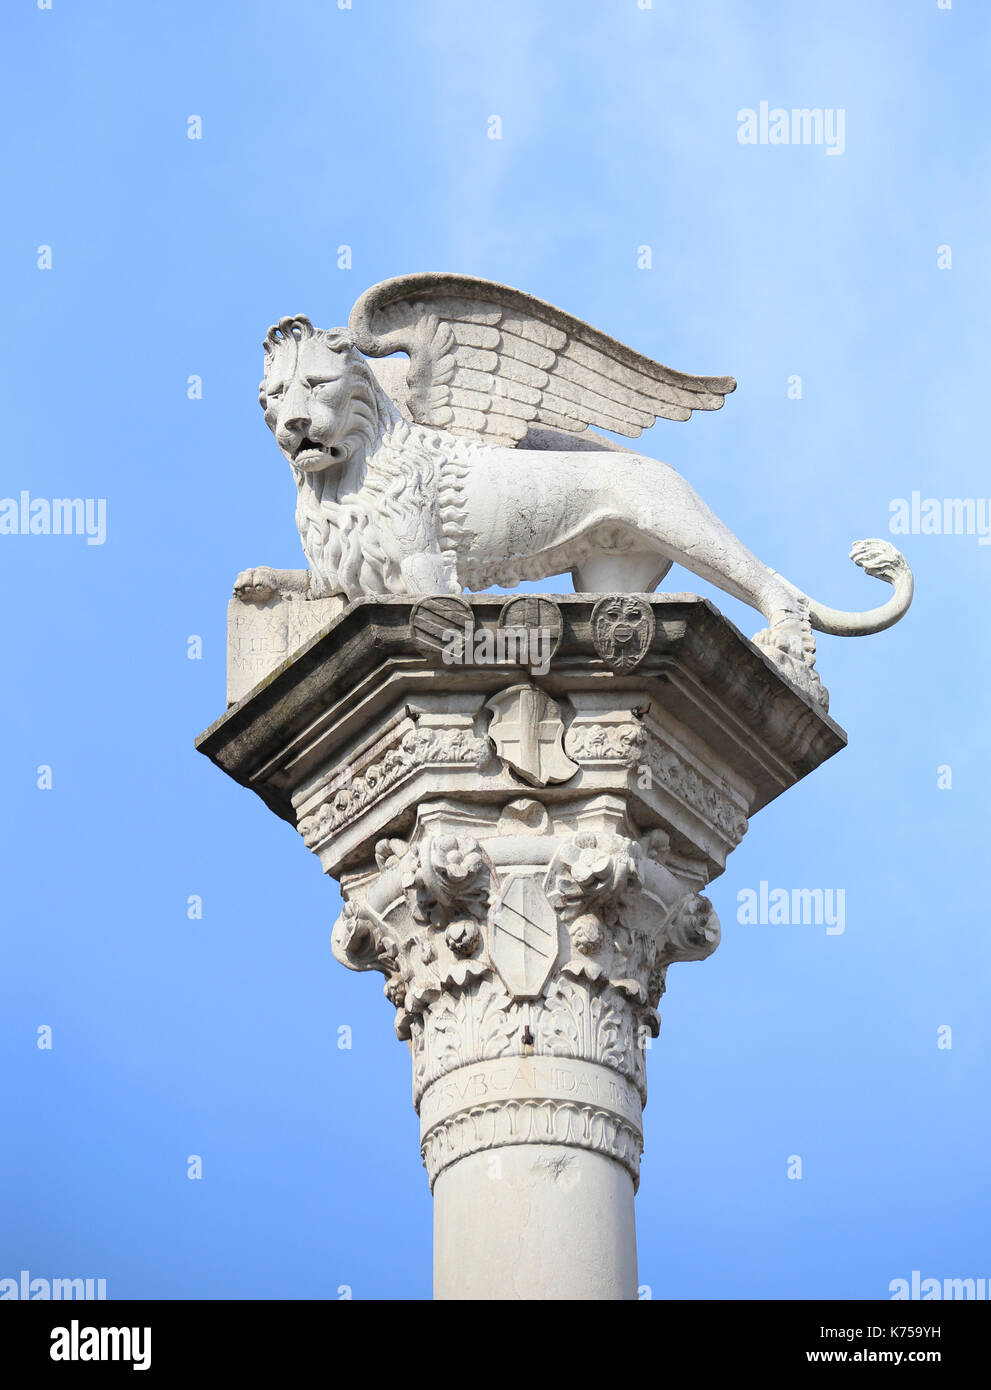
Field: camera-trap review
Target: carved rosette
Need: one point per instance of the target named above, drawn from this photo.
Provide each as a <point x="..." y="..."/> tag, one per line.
<point x="525" y="965"/>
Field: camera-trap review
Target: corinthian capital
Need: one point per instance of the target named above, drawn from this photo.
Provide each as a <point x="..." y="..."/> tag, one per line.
<point x="518" y="940"/>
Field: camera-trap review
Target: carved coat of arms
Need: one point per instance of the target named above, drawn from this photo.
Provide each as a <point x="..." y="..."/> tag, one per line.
<point x="622" y="629"/>
<point x="528" y="733"/>
<point x="523" y="937"/>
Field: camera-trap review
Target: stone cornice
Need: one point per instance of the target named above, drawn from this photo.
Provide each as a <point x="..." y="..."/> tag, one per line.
<point x="698" y="666"/>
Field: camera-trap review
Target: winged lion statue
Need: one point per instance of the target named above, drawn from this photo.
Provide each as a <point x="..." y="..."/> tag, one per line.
<point x="474" y="466"/>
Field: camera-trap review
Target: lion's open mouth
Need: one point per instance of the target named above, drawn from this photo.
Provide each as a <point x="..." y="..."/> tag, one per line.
<point x="312" y="448"/>
<point x="308" y="446"/>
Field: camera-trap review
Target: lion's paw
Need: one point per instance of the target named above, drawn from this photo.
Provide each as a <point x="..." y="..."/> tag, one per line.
<point x="790" y="659"/>
<point x="786" y="634"/>
<point x="257" y="585"/>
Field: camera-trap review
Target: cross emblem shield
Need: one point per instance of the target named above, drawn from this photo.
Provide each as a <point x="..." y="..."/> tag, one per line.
<point x="528" y="734"/>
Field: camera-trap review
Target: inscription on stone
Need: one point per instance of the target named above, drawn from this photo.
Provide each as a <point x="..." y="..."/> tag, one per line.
<point x="540" y="1078"/>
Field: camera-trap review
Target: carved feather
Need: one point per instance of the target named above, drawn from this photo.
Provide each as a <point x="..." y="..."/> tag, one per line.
<point x="490" y="361"/>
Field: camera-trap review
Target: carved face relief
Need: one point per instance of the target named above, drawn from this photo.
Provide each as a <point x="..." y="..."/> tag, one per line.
<point x="622" y="628"/>
<point x="315" y="395"/>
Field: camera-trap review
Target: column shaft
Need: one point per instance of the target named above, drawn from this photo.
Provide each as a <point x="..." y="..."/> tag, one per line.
<point x="538" y="1221"/>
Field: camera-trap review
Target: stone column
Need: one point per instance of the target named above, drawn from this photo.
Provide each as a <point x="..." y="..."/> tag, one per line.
<point x="523" y="800"/>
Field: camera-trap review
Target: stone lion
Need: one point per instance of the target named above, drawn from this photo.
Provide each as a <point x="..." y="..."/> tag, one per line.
<point x="468" y="473"/>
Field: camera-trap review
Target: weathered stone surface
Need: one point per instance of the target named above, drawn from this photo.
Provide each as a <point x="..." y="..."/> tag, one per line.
<point x="261" y="637"/>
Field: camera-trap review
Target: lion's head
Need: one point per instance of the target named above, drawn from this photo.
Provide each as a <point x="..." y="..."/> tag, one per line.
<point x="316" y="394"/>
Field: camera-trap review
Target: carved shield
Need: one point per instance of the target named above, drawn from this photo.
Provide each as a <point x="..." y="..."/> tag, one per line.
<point x="622" y="630"/>
<point x="528" y="734"/>
<point x="523" y="937"/>
<point x="534" y="614"/>
<point x="435" y="620"/>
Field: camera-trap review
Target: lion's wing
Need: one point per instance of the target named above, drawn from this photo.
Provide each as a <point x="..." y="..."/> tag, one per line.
<point x="490" y="361"/>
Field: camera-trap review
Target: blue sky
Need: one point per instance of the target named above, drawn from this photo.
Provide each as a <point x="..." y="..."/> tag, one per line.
<point x="367" y="127"/>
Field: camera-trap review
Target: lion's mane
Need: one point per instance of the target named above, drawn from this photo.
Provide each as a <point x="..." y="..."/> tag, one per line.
<point x="411" y="488"/>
